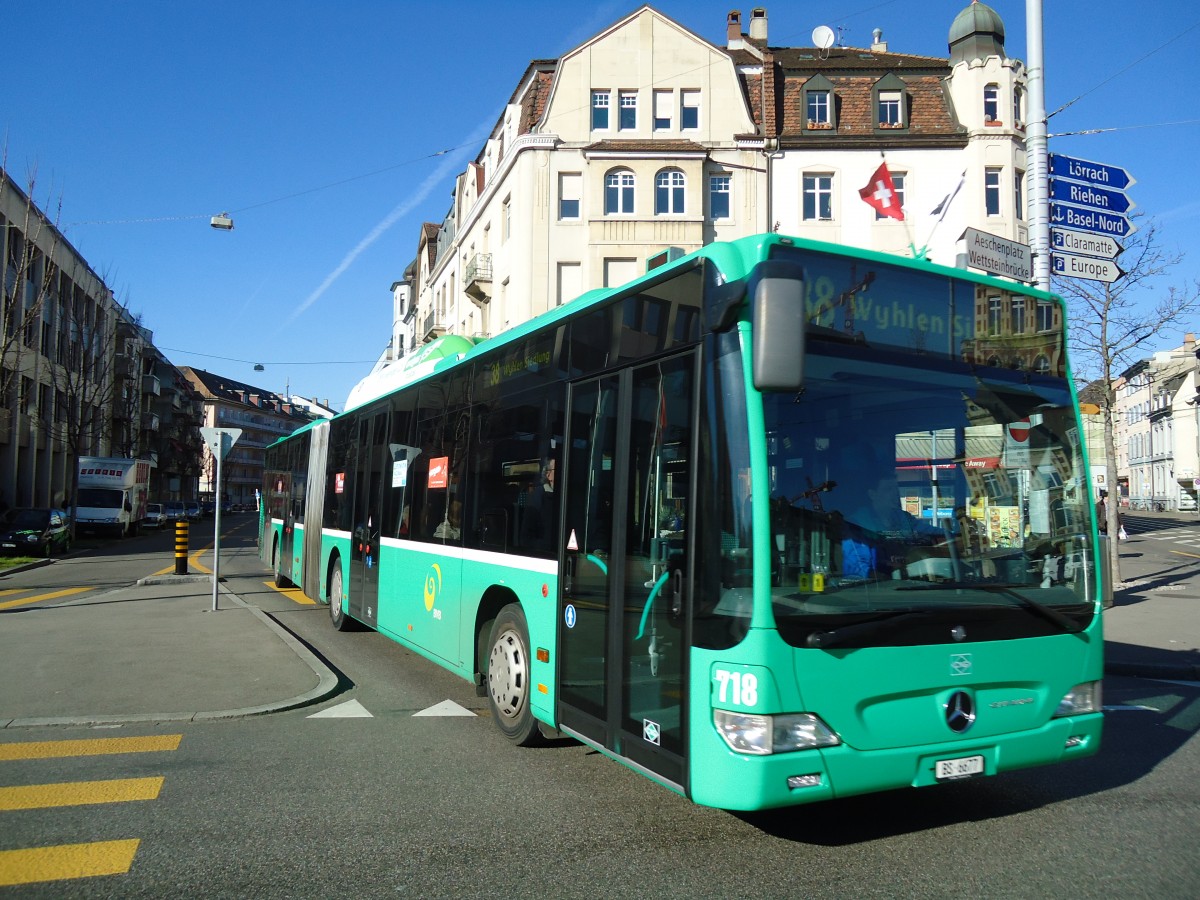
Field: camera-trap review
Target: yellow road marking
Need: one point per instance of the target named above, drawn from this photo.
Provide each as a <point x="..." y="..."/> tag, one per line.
<point x="10" y="591"/>
<point x="66" y="861"/>
<point x="193" y="563"/>
<point x="37" y="598"/>
<point x="79" y="793"/>
<point x="294" y="594"/>
<point x="92" y="747"/>
<point x="1189" y="555"/>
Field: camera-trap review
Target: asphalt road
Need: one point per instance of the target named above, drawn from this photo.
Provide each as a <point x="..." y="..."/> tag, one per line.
<point x="389" y="803"/>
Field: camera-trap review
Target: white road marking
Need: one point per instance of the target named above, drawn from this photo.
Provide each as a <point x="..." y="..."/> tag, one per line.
<point x="351" y="709"/>
<point x="445" y="708"/>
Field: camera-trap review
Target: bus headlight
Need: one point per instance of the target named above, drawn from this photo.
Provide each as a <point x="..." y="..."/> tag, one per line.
<point x="763" y="735"/>
<point x="1083" y="698"/>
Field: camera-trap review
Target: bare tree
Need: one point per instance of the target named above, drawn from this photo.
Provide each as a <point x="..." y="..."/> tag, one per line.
<point x="1108" y="322"/>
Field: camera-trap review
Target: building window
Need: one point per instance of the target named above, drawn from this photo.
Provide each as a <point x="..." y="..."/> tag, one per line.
<point x="991" y="190"/>
<point x="1045" y="316"/>
<point x="1041" y="365"/>
<point x="718" y="196"/>
<point x="569" y="283"/>
<point x="600" y="102"/>
<point x="889" y="109"/>
<point x="669" y="193"/>
<point x="995" y="315"/>
<point x="628" y="112"/>
<point x="818" y="198"/>
<point x="689" y="110"/>
<point x="505" y="219"/>
<point x="1018" y="315"/>
<point x="1019" y="194"/>
<point x="889" y="100"/>
<point x="1017" y="120"/>
<point x="570" y="192"/>
<point x="991" y="103"/>
<point x="898" y="184"/>
<point x="664" y="104"/>
<point x="618" y="193"/>
<point x="818" y="108"/>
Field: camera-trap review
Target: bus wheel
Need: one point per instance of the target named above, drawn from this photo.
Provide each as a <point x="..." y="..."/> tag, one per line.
<point x="280" y="581"/>
<point x="337" y="615"/>
<point x="508" y="674"/>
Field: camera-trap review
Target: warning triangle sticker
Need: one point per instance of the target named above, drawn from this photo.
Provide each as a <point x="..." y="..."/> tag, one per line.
<point x="572" y="543"/>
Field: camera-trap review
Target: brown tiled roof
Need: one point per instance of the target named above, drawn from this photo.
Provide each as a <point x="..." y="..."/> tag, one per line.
<point x="533" y="104"/>
<point x="854" y="58"/>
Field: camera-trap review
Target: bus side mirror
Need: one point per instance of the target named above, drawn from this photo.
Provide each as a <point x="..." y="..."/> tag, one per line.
<point x="779" y="320"/>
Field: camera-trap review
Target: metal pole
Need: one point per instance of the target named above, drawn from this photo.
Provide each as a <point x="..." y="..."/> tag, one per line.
<point x="217" y="519"/>
<point x="1035" y="146"/>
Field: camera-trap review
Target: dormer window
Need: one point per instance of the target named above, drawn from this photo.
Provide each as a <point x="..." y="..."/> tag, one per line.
<point x="819" y="104"/>
<point x="991" y="104"/>
<point x="891" y="103"/>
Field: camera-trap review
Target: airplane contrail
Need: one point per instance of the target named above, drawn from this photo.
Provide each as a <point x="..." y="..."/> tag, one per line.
<point x="438" y="176"/>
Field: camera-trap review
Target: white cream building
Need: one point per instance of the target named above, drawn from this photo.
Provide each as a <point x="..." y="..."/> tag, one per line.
<point x="648" y="136"/>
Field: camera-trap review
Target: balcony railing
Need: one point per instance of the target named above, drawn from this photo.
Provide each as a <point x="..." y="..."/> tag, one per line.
<point x="477" y="281"/>
<point x="150" y="422"/>
<point x="151" y="385"/>
<point x="435" y="326"/>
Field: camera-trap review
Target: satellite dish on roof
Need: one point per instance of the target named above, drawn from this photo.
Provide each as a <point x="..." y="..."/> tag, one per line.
<point x="823" y="37"/>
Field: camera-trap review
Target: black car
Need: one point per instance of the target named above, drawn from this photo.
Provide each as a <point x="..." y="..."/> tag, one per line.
<point x="35" y="531"/>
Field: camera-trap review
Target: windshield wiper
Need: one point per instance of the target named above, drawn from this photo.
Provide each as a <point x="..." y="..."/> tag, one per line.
<point x="836" y="636"/>
<point x="1066" y="623"/>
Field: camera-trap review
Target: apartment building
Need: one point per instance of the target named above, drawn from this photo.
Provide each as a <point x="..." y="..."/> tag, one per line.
<point x="648" y="136"/>
<point x="79" y="374"/>
<point x="263" y="417"/>
<point x="1157" y="430"/>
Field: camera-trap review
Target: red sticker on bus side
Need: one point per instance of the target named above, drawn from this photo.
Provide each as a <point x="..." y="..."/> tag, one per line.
<point x="439" y="472"/>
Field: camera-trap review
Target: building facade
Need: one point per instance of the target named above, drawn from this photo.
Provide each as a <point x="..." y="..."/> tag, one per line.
<point x="1157" y="430"/>
<point x="79" y="375"/>
<point x="647" y="136"/>
<point x="263" y="417"/>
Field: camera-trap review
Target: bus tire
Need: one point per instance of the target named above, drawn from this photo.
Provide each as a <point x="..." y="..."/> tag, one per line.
<point x="508" y="677"/>
<point x="277" y="564"/>
<point x="337" y="615"/>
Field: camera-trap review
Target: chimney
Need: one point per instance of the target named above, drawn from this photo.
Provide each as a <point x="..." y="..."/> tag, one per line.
<point x="1189" y="342"/>
<point x="758" y="24"/>
<point x="878" y="44"/>
<point x="733" y="35"/>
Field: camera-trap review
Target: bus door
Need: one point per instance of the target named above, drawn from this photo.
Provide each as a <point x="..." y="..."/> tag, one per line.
<point x="625" y="568"/>
<point x="374" y="464"/>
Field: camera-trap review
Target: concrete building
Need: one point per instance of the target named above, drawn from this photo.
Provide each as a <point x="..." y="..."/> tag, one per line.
<point x="647" y="136"/>
<point x="79" y="375"/>
<point x="263" y="417"/>
<point x="1157" y="430"/>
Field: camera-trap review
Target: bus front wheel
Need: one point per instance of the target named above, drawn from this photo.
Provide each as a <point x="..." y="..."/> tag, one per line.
<point x="508" y="677"/>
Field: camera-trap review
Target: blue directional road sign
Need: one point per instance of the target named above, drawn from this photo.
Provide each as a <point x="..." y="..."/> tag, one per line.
<point x="1092" y="220"/>
<point x="1100" y="174"/>
<point x="1090" y="196"/>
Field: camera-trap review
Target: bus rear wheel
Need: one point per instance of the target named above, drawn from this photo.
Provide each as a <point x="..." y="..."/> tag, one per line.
<point x="337" y="615"/>
<point x="280" y="581"/>
<point x="508" y="677"/>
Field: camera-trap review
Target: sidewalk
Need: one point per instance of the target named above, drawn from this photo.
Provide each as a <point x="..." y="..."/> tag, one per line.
<point x="157" y="652"/>
<point x="152" y="652"/>
<point x="1153" y="627"/>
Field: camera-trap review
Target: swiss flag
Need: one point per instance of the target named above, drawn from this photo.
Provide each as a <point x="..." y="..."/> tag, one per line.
<point x="881" y="193"/>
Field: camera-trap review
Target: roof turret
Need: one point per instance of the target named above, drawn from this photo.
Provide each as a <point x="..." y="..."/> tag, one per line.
<point x="977" y="33"/>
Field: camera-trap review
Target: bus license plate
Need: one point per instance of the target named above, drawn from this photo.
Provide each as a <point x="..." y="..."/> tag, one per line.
<point x="963" y="767"/>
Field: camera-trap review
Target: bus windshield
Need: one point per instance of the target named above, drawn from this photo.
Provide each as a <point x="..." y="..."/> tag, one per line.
<point x="949" y="489"/>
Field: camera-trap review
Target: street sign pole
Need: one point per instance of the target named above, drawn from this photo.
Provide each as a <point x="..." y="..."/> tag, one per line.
<point x="220" y="441"/>
<point x="1035" y="145"/>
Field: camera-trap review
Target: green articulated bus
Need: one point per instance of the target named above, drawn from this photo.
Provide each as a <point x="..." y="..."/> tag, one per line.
<point x="777" y="522"/>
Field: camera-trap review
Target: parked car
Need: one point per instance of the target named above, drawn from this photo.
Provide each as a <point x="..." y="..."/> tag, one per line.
<point x="156" y="516"/>
<point x="193" y="510"/>
<point x="175" y="511"/>
<point x="35" y="531"/>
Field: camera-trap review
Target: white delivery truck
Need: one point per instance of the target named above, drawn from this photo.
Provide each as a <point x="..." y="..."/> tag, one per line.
<point x="112" y="494"/>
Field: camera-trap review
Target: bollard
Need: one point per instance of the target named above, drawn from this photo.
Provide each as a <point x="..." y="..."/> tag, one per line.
<point x="181" y="547"/>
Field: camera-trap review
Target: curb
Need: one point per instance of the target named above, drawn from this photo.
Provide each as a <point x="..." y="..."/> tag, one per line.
<point x="327" y="681"/>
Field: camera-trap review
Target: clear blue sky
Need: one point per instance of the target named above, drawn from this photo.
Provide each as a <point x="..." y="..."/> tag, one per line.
<point x="316" y="124"/>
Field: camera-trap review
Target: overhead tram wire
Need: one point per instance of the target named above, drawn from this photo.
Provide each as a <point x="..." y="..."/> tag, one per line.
<point x="267" y="362"/>
<point x="302" y="193"/>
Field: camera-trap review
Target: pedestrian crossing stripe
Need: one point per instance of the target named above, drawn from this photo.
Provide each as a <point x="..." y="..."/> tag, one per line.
<point x="66" y="861"/>
<point x="79" y="793"/>
<point x="91" y="747"/>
